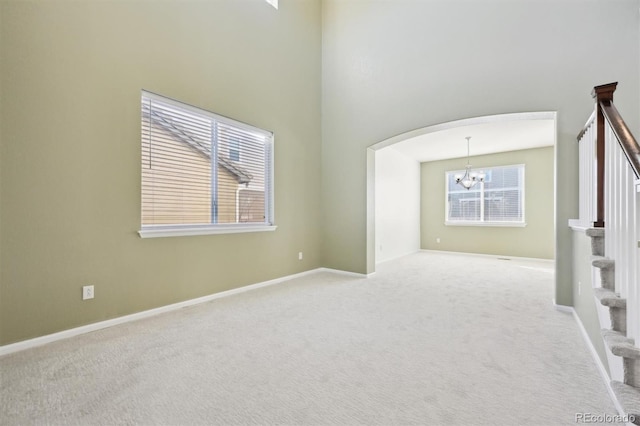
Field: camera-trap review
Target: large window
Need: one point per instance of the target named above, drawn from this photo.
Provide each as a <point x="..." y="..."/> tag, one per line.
<point x="202" y="173"/>
<point x="499" y="200"/>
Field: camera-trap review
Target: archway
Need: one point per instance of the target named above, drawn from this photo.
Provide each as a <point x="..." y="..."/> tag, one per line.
<point x="493" y="134"/>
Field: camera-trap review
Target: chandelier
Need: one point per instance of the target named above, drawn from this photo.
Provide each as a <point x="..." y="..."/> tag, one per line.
<point x="470" y="178"/>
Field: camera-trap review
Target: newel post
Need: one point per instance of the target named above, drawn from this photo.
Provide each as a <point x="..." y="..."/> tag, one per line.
<point x="603" y="96"/>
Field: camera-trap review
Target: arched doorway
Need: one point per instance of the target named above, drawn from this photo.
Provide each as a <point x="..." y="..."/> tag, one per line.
<point x="391" y="228"/>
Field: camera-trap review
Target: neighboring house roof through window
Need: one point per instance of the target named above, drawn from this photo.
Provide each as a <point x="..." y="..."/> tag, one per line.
<point x="202" y="147"/>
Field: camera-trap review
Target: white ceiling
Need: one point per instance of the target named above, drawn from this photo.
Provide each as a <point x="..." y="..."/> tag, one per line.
<point x="486" y="138"/>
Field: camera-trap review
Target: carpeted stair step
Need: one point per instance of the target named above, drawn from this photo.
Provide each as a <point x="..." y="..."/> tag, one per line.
<point x="617" y="308"/>
<point x="609" y="298"/>
<point x="629" y="398"/>
<point x="620" y="345"/>
<point x="607" y="271"/>
<point x="597" y="240"/>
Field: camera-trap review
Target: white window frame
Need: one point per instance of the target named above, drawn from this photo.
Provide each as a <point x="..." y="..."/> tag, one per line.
<point x="480" y="185"/>
<point x="177" y="230"/>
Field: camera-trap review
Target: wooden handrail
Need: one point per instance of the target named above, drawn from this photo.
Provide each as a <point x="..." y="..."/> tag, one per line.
<point x="605" y="110"/>
<point x="626" y="140"/>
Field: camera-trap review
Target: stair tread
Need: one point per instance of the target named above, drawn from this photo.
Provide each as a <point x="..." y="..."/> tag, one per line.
<point x="595" y="232"/>
<point x="620" y="345"/>
<point x="609" y="298"/>
<point x="602" y="262"/>
<point x="629" y="399"/>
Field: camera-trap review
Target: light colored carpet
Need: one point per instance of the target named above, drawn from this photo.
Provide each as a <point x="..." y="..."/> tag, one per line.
<point x="431" y="339"/>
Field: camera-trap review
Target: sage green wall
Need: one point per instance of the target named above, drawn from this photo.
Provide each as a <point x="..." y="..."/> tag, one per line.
<point x="71" y="75"/>
<point x="584" y="301"/>
<point x="394" y="66"/>
<point x="534" y="240"/>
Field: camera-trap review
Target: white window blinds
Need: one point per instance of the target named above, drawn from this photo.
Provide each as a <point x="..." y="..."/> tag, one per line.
<point x="202" y="169"/>
<point x="499" y="199"/>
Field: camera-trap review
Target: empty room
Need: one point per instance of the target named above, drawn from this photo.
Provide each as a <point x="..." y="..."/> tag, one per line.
<point x="310" y="212"/>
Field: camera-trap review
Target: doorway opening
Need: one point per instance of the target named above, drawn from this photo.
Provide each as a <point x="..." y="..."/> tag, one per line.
<point x="409" y="199"/>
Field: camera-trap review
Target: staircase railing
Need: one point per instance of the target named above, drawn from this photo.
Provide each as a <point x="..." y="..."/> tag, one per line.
<point x="609" y="165"/>
<point x="609" y="198"/>
<point x="622" y="174"/>
<point x="587" y="213"/>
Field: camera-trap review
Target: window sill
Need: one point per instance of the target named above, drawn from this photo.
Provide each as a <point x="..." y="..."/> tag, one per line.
<point x="495" y="224"/>
<point x="185" y="231"/>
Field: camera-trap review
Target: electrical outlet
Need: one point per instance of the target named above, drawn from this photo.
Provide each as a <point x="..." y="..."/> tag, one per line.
<point x="438" y="240"/>
<point x="87" y="292"/>
<point x="579" y="288"/>
<point x="299" y="255"/>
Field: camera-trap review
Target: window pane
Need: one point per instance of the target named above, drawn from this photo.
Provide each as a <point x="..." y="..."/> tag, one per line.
<point x="502" y="206"/>
<point x="464" y="206"/>
<point x="498" y="199"/>
<point x="241" y="182"/>
<point x="199" y="168"/>
<point x="502" y="201"/>
<point x="176" y="166"/>
<point x="503" y="177"/>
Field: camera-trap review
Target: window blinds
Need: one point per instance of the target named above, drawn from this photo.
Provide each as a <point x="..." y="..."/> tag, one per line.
<point x="500" y="198"/>
<point x="199" y="168"/>
<point x="503" y="195"/>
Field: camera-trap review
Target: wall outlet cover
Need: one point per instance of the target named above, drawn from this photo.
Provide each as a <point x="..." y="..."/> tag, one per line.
<point x="87" y="292"/>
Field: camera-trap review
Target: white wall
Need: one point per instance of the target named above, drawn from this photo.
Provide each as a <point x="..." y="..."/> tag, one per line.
<point x="394" y="66"/>
<point x="397" y="204"/>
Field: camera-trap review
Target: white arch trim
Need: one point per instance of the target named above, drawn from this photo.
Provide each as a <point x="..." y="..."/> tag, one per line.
<point x="540" y="115"/>
<point x="370" y="223"/>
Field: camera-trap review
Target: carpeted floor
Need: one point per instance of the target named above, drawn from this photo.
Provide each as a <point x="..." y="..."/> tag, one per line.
<point x="431" y="339"/>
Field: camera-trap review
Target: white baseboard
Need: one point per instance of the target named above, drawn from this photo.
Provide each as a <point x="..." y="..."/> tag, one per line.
<point x="39" y="341"/>
<point x="563" y="308"/>
<point x="347" y="273"/>
<point x="594" y="354"/>
<point x="391" y="259"/>
<point x="493" y="256"/>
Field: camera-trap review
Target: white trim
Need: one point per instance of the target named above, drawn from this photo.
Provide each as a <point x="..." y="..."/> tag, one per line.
<point x="395" y="258"/>
<point x="347" y="273"/>
<point x="577" y="225"/>
<point x="39" y="341"/>
<point x="540" y="115"/>
<point x="594" y="354"/>
<point x="495" y="256"/>
<point x="591" y="118"/>
<point x="562" y="308"/>
<point x="202" y="230"/>
<point x="478" y="223"/>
